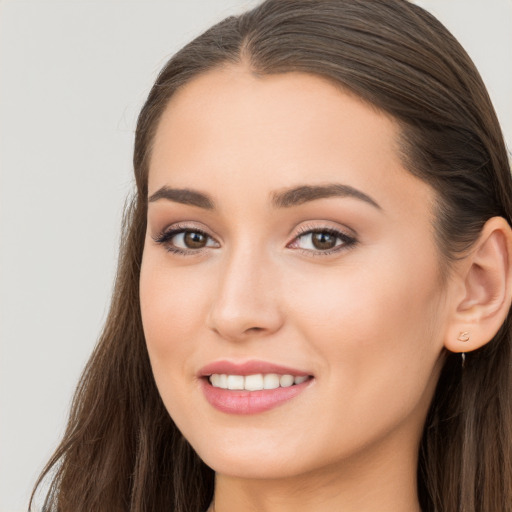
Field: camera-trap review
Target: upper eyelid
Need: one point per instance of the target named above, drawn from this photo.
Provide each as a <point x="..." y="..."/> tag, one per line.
<point x="180" y="227"/>
<point x="310" y="228"/>
<point x="171" y="232"/>
<point x="302" y="230"/>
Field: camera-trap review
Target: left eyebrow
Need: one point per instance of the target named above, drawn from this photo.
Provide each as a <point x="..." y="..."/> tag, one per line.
<point x="305" y="193"/>
<point x="284" y="199"/>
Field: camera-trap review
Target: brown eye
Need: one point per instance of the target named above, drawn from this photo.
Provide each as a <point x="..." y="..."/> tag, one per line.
<point x="323" y="240"/>
<point x="181" y="240"/>
<point x="194" y="240"/>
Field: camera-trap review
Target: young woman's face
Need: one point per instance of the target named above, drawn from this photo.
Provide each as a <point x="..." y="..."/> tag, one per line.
<point x="285" y="237"/>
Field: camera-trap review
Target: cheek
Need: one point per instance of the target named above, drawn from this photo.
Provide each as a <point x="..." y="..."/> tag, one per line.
<point x="172" y="299"/>
<point x="377" y="335"/>
<point x="172" y="304"/>
<point x="163" y="308"/>
<point x="380" y="319"/>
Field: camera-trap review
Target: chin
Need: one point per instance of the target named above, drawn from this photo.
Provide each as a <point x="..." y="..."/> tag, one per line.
<point x="245" y="466"/>
<point x="256" y="454"/>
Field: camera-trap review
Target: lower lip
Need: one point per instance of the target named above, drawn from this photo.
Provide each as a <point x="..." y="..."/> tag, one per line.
<point x="250" y="402"/>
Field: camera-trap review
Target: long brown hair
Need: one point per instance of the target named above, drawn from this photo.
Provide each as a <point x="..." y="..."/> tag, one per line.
<point x="121" y="450"/>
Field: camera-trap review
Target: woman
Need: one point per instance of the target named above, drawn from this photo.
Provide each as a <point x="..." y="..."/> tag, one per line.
<point x="312" y="309"/>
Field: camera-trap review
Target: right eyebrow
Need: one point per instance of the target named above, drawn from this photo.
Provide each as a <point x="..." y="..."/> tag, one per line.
<point x="183" y="196"/>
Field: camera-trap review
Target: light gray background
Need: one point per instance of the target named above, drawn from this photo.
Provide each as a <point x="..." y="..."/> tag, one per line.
<point x="73" y="75"/>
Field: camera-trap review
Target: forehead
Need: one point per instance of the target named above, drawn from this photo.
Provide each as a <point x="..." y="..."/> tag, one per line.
<point x="229" y="129"/>
<point x="284" y="107"/>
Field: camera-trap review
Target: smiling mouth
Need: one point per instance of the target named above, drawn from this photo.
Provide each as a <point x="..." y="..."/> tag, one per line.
<point x="255" y="382"/>
<point x="254" y="393"/>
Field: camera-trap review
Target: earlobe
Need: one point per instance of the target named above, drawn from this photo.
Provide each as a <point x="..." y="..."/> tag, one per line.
<point x="486" y="278"/>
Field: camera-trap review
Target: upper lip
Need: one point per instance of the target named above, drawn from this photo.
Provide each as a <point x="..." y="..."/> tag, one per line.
<point x="248" y="368"/>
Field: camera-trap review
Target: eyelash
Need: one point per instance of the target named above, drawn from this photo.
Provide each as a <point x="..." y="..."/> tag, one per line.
<point x="165" y="237"/>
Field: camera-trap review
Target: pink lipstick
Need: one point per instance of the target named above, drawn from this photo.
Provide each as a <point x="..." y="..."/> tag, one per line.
<point x="251" y="387"/>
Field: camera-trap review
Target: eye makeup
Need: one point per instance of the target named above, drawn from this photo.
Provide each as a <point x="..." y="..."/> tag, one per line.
<point x="188" y="240"/>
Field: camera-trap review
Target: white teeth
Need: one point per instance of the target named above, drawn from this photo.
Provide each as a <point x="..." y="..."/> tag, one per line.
<point x="271" y="381"/>
<point x="235" y="382"/>
<point x="254" y="382"/>
<point x="223" y="381"/>
<point x="286" y="381"/>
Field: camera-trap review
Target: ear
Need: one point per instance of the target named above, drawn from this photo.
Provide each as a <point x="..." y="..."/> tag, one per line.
<point x="483" y="291"/>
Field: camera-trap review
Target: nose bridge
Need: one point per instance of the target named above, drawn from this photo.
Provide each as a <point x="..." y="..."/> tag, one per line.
<point x="246" y="300"/>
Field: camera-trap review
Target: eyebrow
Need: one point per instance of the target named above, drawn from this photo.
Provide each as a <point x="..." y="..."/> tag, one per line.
<point x="183" y="196"/>
<point x="285" y="199"/>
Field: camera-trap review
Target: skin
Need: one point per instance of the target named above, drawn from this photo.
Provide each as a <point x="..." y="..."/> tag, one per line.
<point x="367" y="321"/>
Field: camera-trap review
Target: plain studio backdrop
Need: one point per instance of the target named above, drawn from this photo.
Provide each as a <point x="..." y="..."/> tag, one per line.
<point x="73" y="76"/>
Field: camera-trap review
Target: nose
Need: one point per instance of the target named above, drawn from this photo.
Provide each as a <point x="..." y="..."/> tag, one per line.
<point x="246" y="302"/>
